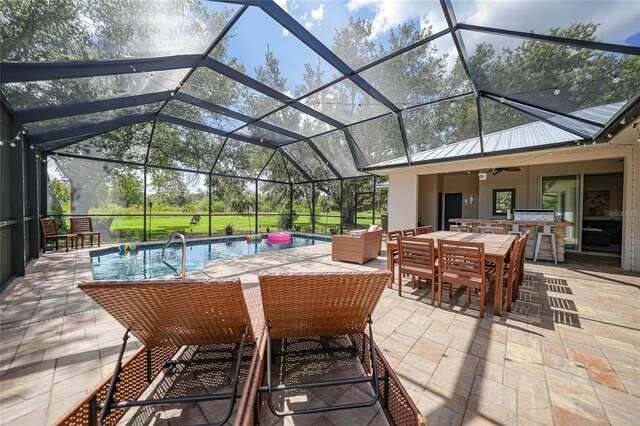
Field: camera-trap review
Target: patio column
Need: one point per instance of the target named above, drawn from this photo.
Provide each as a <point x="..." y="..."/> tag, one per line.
<point x="403" y="199"/>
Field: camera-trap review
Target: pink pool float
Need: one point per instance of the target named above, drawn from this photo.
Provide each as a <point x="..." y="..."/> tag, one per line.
<point x="279" y="238"/>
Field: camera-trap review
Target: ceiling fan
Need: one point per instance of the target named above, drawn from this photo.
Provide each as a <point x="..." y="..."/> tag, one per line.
<point x="499" y="170"/>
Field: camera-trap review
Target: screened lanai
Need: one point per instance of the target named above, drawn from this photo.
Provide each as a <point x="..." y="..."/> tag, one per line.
<point x="263" y="109"/>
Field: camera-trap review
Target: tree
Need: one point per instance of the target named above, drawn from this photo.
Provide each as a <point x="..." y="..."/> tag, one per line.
<point x="128" y="189"/>
<point x="62" y="193"/>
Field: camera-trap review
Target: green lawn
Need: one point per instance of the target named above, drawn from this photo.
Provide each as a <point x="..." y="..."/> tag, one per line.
<point x="130" y="228"/>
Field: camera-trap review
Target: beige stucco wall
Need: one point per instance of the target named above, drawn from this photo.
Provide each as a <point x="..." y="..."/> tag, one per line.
<point x="403" y="200"/>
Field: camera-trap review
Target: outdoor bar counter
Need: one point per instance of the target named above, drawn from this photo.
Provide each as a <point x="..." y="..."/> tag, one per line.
<point x="532" y="226"/>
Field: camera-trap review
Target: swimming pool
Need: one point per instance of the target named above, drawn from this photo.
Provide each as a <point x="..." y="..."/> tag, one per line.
<point x="146" y="262"/>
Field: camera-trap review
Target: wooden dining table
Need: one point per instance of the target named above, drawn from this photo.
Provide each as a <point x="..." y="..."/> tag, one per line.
<point x="496" y="248"/>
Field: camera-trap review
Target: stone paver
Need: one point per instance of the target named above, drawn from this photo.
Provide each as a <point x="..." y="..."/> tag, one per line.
<point x="568" y="353"/>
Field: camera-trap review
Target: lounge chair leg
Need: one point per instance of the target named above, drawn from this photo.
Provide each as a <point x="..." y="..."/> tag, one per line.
<point x="375" y="379"/>
<point x="469" y="294"/>
<point x="106" y="408"/>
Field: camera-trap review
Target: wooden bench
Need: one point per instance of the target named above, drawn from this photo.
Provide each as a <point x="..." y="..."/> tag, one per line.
<point x="83" y="226"/>
<point x="50" y="231"/>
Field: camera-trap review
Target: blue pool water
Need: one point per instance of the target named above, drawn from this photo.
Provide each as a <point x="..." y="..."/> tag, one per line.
<point x="146" y="262"/>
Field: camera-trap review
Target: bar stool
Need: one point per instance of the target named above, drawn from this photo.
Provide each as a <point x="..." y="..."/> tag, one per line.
<point x="515" y="230"/>
<point x="546" y="232"/>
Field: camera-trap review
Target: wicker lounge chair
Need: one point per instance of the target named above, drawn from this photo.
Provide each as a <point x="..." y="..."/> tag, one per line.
<point x="164" y="316"/>
<point x="299" y="305"/>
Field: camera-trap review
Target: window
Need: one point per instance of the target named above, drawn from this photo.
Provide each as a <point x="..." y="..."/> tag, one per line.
<point x="502" y="200"/>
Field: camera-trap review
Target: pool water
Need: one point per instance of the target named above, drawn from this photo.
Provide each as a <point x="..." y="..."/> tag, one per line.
<point x="146" y="262"/>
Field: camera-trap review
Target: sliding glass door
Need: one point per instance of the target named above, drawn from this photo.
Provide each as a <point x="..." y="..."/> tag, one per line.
<point x="562" y="194"/>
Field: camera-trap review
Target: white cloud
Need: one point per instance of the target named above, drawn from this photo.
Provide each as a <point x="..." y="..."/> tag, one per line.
<point x="285" y="32"/>
<point x="318" y="13"/>
<point x="308" y="25"/>
<point x="388" y="14"/>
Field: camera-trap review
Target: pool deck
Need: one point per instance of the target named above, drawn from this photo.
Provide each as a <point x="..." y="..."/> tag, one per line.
<point x="569" y="353"/>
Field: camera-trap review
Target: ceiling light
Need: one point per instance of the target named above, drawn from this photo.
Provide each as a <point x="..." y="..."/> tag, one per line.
<point x="32" y="146"/>
<point x="44" y="160"/>
<point x="609" y="135"/>
<point x="556" y="91"/>
<point x="173" y="94"/>
<point x="12" y="144"/>
<point x="133" y="69"/>
<point x="501" y="99"/>
<point x="616" y="79"/>
<point x="1" y="142"/>
<point x="623" y="121"/>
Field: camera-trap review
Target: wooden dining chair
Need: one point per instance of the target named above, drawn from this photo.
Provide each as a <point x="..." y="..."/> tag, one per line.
<point x="491" y="230"/>
<point x="417" y="258"/>
<point x="459" y="228"/>
<point x="511" y="273"/>
<point x="393" y="235"/>
<point x="523" y="249"/>
<point x="409" y="232"/>
<point x="424" y="230"/>
<point x="462" y="263"/>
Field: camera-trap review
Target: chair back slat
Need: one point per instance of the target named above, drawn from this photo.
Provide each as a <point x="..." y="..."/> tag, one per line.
<point x="49" y="227"/>
<point x="515" y="260"/>
<point x="459" y="228"/>
<point x="320" y="304"/>
<point x="393" y="235"/>
<point x="424" y="230"/>
<point x="416" y="253"/>
<point x="81" y="224"/>
<point x="176" y="313"/>
<point x="491" y="230"/>
<point x="409" y="232"/>
<point x="462" y="258"/>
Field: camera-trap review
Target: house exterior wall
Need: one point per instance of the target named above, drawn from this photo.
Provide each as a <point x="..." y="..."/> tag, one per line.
<point x="416" y="188"/>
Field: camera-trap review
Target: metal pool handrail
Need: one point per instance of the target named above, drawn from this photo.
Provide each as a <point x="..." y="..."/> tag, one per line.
<point x="184" y="254"/>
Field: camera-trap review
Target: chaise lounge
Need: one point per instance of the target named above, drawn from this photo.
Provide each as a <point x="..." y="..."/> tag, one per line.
<point x="165" y="316"/>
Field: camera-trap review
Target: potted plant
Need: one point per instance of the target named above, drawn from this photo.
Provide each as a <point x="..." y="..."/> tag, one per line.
<point x="228" y="228"/>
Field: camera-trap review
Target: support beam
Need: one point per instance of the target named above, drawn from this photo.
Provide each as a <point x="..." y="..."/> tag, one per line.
<point x="358" y="157"/>
<point x="447" y="8"/>
<point x="296" y="165"/>
<point x="212" y="46"/>
<point x="324" y="159"/>
<point x="86" y="129"/>
<point x="480" y="123"/>
<point x="237" y="116"/>
<point x="543" y="119"/>
<point x="222" y="133"/>
<point x="405" y="141"/>
<point x="14" y="72"/>
<point x="266" y="90"/>
<point x="544" y="109"/>
<point x="582" y="44"/>
<point x="294" y="27"/>
<point x="50" y="113"/>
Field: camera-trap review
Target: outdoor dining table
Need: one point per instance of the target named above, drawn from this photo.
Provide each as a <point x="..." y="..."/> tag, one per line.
<point x="496" y="249"/>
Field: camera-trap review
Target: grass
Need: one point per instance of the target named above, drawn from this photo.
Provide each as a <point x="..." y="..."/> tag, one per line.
<point x="130" y="228"/>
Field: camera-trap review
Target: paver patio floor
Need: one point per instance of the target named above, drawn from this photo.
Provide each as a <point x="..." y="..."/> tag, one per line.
<point x="569" y="353"/>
